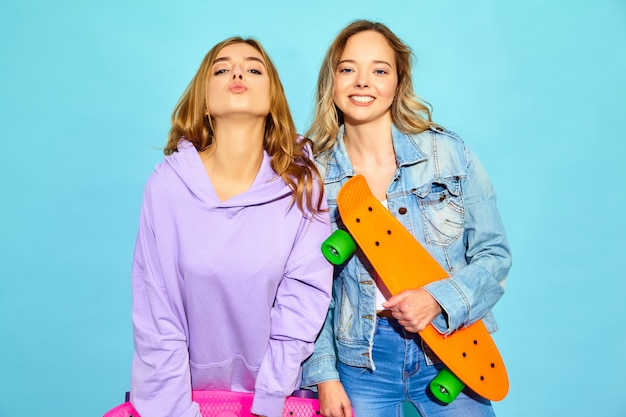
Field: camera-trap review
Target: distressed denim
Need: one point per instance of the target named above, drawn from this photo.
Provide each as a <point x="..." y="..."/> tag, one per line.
<point x="442" y="195"/>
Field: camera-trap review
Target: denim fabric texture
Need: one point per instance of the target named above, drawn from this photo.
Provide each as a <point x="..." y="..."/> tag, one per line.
<point x="442" y="195"/>
<point x="402" y="373"/>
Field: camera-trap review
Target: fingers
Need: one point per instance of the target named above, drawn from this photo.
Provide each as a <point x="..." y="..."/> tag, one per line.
<point x="336" y="409"/>
<point x="343" y="411"/>
<point x="333" y="400"/>
<point x="413" y="325"/>
<point x="394" y="300"/>
<point x="414" y="309"/>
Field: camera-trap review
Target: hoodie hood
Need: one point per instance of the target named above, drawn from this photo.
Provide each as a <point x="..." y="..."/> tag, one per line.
<point x="185" y="175"/>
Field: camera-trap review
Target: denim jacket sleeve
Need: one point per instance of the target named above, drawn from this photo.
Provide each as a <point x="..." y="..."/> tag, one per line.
<point x="322" y="364"/>
<point x="471" y="292"/>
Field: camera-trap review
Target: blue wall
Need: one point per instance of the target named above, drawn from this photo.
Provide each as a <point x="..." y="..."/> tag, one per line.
<point x="86" y="91"/>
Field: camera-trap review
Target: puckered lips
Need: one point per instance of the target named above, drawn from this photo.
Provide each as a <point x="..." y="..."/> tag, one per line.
<point x="237" y="87"/>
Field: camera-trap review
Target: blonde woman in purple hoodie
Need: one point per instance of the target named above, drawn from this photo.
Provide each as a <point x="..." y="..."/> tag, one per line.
<point x="230" y="288"/>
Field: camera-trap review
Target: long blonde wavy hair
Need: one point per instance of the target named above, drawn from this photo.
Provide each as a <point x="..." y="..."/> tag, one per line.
<point x="409" y="113"/>
<point x="289" y="159"/>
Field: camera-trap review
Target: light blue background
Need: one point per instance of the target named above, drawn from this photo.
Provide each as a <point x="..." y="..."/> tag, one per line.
<point x="86" y="90"/>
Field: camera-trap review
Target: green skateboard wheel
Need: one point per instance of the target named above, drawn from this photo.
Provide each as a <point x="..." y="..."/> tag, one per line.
<point x="338" y="247"/>
<point x="446" y="386"/>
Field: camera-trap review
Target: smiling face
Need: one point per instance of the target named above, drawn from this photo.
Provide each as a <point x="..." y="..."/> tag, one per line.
<point x="239" y="83"/>
<point x="366" y="79"/>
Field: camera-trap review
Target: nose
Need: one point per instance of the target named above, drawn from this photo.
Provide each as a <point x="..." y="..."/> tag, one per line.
<point x="237" y="72"/>
<point x="361" y="82"/>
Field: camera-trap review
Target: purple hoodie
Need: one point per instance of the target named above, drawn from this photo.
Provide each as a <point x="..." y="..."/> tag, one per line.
<point x="226" y="295"/>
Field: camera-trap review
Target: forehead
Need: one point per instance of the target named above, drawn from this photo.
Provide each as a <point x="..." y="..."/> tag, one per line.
<point x="368" y="45"/>
<point x="239" y="51"/>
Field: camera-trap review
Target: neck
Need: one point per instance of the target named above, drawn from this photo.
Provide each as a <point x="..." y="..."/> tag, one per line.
<point x="369" y="141"/>
<point x="370" y="149"/>
<point x="237" y="150"/>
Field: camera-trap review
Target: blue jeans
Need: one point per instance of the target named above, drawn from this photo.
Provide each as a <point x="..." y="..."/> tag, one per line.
<point x="402" y="374"/>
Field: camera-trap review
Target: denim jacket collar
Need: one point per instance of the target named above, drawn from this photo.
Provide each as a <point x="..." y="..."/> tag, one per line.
<point x="339" y="166"/>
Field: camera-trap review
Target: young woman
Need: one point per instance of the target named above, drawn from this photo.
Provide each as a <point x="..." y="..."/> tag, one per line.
<point x="230" y="288"/>
<point x="369" y="121"/>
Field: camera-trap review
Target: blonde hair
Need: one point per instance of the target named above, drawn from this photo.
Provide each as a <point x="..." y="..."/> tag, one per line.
<point x="409" y="113"/>
<point x="289" y="159"/>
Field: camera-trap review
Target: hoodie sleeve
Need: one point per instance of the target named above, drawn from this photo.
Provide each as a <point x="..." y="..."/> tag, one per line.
<point x="160" y="379"/>
<point x="298" y="313"/>
<point x="321" y="366"/>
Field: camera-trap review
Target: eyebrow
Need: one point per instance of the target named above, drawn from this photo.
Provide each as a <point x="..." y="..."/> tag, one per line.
<point x="376" y="61"/>
<point x="249" y="58"/>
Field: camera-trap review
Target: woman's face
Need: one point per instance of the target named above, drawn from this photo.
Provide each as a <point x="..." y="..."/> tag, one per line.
<point x="366" y="78"/>
<point x="239" y="84"/>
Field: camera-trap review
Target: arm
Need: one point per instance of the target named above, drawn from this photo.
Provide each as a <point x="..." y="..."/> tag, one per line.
<point x="161" y="382"/>
<point x="321" y="366"/>
<point x="319" y="372"/>
<point x="297" y="315"/>
<point x="472" y="291"/>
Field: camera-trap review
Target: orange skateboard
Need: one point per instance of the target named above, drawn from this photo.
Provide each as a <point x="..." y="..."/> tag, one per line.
<point x="469" y="353"/>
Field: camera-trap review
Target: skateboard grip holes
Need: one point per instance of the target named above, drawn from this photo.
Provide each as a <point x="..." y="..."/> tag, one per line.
<point x="464" y="355"/>
<point x="377" y="243"/>
<point x="358" y="220"/>
<point x="475" y="342"/>
<point x="493" y="365"/>
<point x="482" y="378"/>
<point x="369" y="209"/>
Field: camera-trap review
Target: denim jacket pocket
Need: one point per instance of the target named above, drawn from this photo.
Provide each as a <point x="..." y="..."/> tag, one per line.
<point x="442" y="211"/>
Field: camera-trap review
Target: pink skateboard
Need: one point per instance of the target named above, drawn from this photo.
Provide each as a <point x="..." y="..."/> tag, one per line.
<point x="232" y="404"/>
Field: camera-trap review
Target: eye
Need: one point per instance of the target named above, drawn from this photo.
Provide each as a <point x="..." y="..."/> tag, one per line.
<point x="345" y="70"/>
<point x="380" y="72"/>
<point x="220" y="71"/>
<point x="255" y="71"/>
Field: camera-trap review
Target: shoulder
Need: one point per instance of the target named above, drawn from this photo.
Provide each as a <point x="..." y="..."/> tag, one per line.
<point x="156" y="183"/>
<point x="438" y="138"/>
<point x="172" y="170"/>
<point x="442" y="146"/>
<point x="442" y="133"/>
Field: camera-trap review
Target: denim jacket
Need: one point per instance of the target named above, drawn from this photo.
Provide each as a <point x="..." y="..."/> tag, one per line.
<point x="442" y="195"/>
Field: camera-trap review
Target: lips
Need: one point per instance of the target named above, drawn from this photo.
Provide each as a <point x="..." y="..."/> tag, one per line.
<point x="362" y="99"/>
<point x="237" y="88"/>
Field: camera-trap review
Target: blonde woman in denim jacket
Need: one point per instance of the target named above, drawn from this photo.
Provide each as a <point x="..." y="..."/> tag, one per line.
<point x="369" y="356"/>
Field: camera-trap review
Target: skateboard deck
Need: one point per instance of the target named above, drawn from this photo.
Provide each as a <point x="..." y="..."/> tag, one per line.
<point x="230" y="404"/>
<point x="403" y="263"/>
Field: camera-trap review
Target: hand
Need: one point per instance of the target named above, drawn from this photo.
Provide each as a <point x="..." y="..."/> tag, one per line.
<point x="414" y="309"/>
<point x="333" y="400"/>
